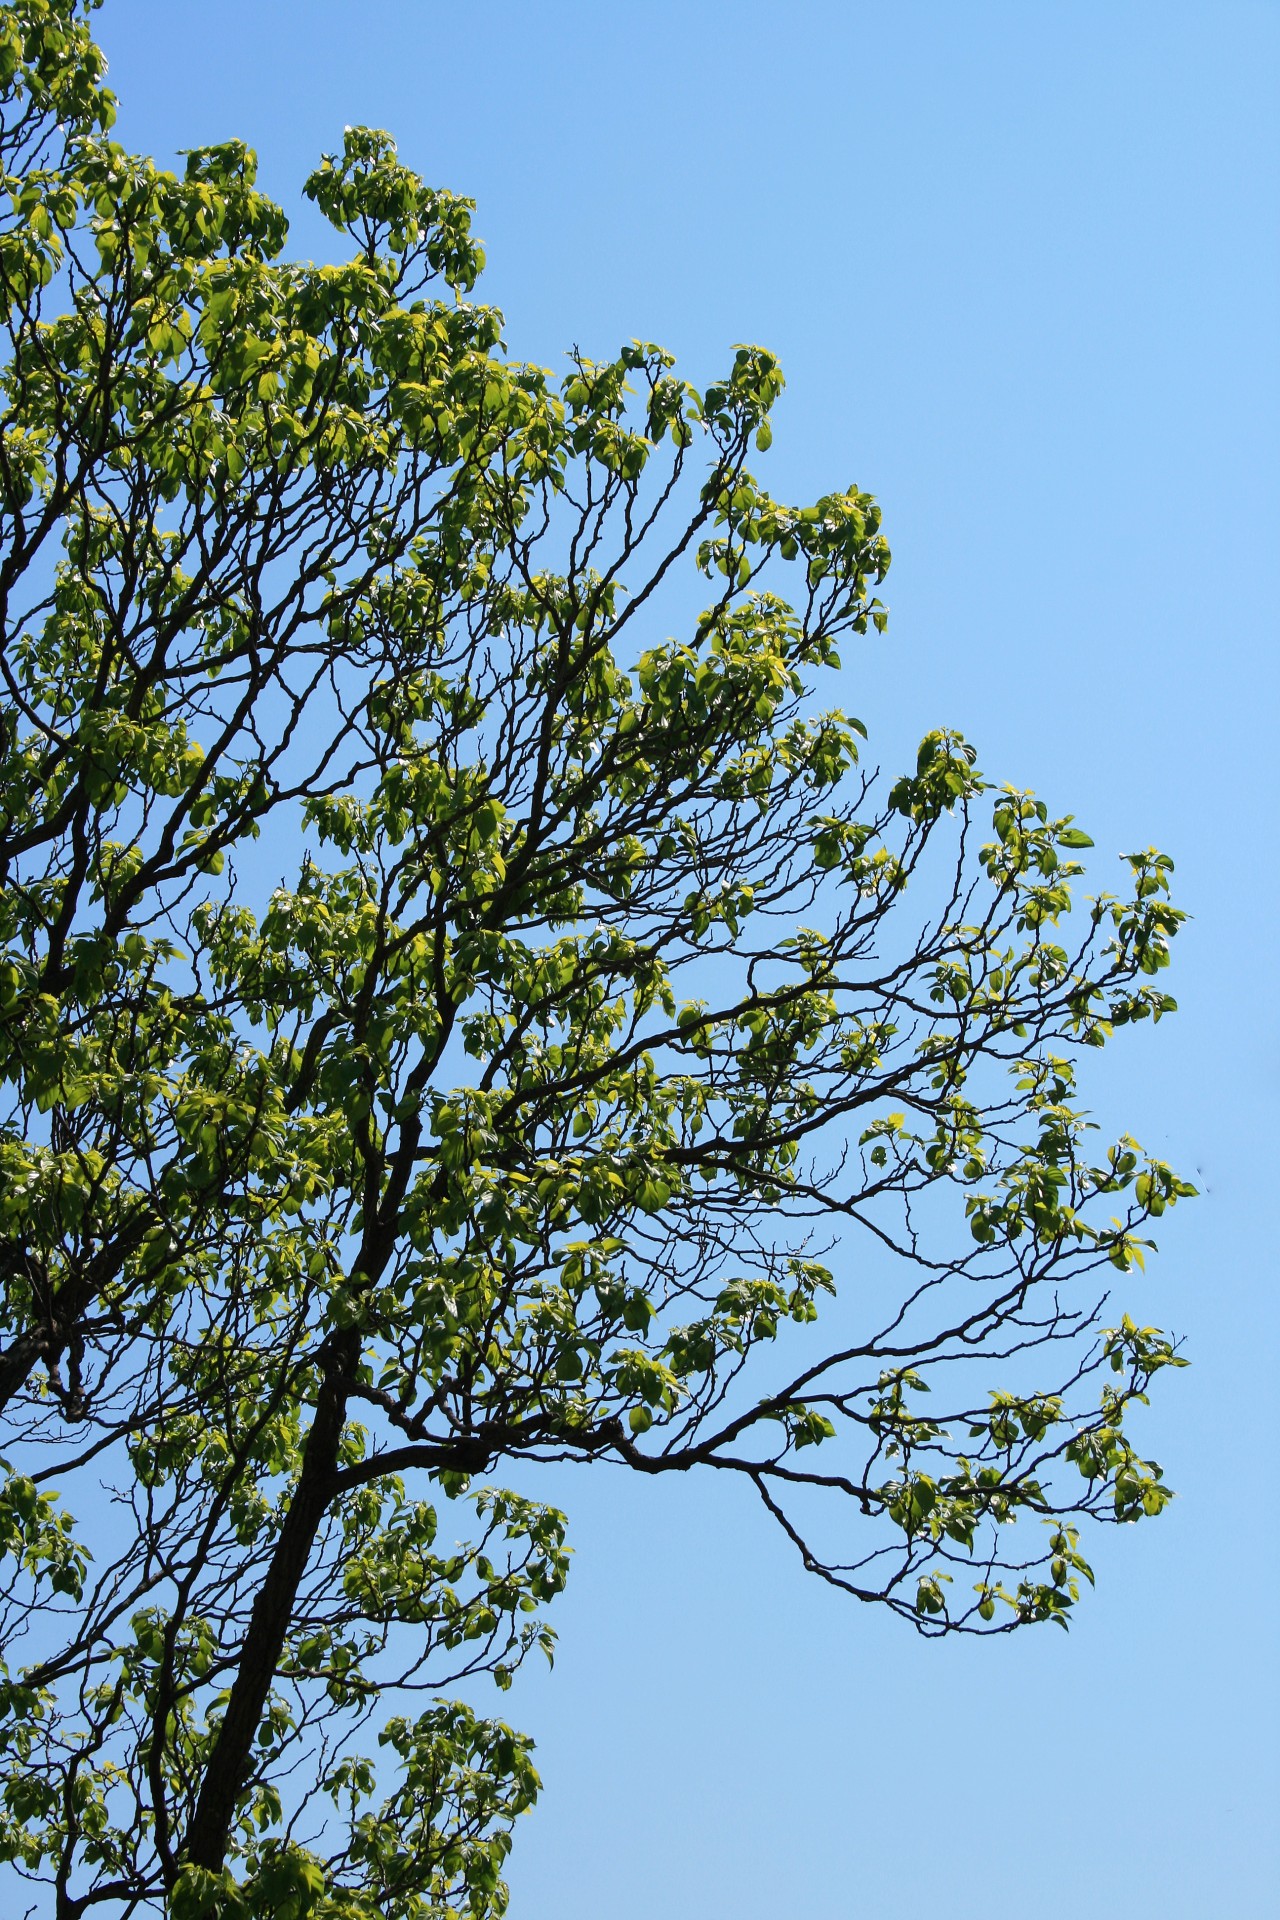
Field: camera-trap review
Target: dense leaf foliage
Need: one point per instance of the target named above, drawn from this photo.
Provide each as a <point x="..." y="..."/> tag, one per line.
<point x="446" y="1026"/>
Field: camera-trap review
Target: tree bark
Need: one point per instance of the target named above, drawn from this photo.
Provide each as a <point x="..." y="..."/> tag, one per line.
<point x="228" y="1763"/>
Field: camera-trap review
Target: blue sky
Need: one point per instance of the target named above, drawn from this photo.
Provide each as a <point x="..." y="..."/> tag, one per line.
<point x="1020" y="264"/>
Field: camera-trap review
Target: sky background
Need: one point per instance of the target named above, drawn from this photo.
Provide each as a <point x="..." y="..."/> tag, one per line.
<point x="1020" y="264"/>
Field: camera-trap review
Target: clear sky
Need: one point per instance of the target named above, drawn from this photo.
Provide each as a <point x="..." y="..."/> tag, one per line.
<point x="1020" y="264"/>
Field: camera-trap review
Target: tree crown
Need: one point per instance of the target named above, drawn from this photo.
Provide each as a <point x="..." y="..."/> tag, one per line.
<point x="448" y="1026"/>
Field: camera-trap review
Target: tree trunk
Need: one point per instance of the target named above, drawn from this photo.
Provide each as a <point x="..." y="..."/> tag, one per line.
<point x="228" y="1764"/>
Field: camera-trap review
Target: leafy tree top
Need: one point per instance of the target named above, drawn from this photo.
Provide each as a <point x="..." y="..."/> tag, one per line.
<point x="447" y="1025"/>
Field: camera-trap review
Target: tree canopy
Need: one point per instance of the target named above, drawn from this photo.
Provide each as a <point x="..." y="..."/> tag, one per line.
<point x="448" y="1026"/>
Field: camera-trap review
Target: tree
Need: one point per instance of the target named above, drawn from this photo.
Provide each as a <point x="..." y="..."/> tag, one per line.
<point x="447" y="1027"/>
